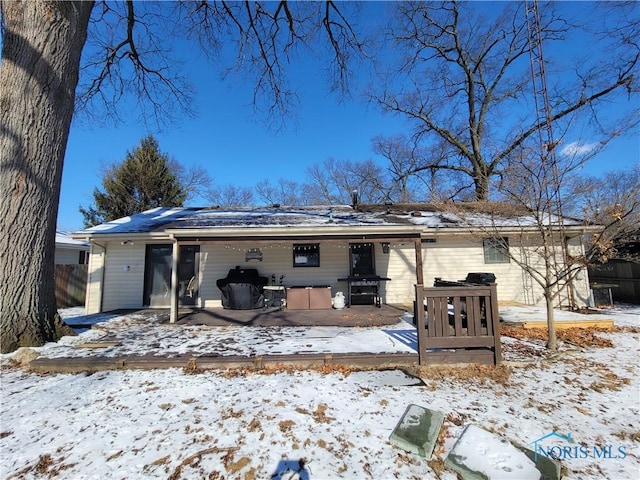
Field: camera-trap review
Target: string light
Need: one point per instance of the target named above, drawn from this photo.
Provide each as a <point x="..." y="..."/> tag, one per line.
<point x="308" y="247"/>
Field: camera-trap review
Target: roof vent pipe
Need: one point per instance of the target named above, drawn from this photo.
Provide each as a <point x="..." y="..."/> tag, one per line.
<point x="354" y="198"/>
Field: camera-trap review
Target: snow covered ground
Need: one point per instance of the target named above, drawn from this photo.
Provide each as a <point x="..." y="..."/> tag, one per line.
<point x="312" y="424"/>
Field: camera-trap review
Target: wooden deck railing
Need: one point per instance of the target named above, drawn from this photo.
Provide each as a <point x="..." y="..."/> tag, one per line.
<point x="458" y="324"/>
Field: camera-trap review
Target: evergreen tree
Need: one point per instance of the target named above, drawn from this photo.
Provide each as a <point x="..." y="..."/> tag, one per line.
<point x="145" y="179"/>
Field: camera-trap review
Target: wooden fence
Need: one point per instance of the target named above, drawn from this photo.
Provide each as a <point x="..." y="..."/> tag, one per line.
<point x="458" y="325"/>
<point x="625" y="275"/>
<point x="71" y="285"/>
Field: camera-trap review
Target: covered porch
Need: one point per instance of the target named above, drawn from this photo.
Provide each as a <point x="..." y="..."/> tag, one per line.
<point x="342" y="257"/>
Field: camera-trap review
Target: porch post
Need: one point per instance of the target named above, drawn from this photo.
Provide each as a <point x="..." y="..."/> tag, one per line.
<point x="495" y="314"/>
<point x="421" y="326"/>
<point x="173" y="315"/>
<point x="418" y="314"/>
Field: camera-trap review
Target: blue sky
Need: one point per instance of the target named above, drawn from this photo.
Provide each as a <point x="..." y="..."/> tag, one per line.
<point x="238" y="148"/>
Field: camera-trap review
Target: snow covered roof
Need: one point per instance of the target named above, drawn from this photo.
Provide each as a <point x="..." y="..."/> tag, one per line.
<point x="412" y="218"/>
<point x="63" y="240"/>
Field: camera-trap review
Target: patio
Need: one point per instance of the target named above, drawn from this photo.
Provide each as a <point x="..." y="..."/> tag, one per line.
<point x="361" y="336"/>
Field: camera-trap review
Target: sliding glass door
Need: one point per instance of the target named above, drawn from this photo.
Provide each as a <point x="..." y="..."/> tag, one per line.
<point x="157" y="275"/>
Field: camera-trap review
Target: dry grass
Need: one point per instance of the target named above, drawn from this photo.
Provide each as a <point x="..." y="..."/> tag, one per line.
<point x="286" y="425"/>
<point x="464" y="373"/>
<point x="627" y="329"/>
<point x="46" y="466"/>
<point x="582" y="337"/>
<point x="288" y="369"/>
<point x="196" y="457"/>
<point x="628" y="436"/>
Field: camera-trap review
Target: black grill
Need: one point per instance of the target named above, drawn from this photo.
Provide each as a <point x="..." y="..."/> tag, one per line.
<point x="475" y="278"/>
<point x="242" y="289"/>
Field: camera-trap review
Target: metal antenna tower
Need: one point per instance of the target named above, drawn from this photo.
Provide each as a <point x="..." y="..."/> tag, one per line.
<point x="546" y="142"/>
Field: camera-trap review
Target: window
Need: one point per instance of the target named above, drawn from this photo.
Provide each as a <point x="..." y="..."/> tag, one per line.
<point x="83" y="257"/>
<point x="496" y="250"/>
<point x="306" y="255"/>
<point x="362" y="262"/>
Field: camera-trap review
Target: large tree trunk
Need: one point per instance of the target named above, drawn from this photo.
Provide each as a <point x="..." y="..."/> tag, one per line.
<point x="481" y="184"/>
<point x="38" y="77"/>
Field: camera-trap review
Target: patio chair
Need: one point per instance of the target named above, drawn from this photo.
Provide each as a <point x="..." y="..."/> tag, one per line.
<point x="191" y="287"/>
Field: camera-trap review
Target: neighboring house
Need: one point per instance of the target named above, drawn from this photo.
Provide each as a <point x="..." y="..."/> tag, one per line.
<point x="70" y="251"/>
<point x="132" y="258"/>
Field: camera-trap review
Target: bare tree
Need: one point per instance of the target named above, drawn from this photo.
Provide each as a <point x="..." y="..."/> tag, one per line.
<point x="325" y="181"/>
<point x="126" y="59"/>
<point x="612" y="201"/>
<point x="410" y="180"/>
<point x="195" y="179"/>
<point x="269" y="35"/>
<point x="333" y="182"/>
<point x="283" y="192"/>
<point x="230" y="195"/>
<point x="535" y="192"/>
<point x="463" y="78"/>
<point x="42" y="44"/>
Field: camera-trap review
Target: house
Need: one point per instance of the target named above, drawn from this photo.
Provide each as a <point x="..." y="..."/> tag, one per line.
<point x="70" y="251"/>
<point x="368" y="252"/>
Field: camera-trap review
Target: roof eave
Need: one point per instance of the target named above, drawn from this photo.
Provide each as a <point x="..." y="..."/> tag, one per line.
<point x="291" y="230"/>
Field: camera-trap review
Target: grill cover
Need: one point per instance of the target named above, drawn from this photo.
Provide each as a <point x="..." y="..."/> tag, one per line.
<point x="480" y="278"/>
<point x="242" y="289"/>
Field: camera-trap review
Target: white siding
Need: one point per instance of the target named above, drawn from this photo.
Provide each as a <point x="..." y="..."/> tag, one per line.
<point x="582" y="292"/>
<point x="123" y="276"/>
<point x="400" y="266"/>
<point x="217" y="260"/>
<point x="68" y="256"/>
<point x="450" y="258"/>
<point x="93" y="299"/>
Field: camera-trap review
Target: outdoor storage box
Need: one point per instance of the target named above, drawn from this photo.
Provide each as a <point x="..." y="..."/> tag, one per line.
<point x="297" y="298"/>
<point x="319" y="298"/>
<point x="308" y="298"/>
